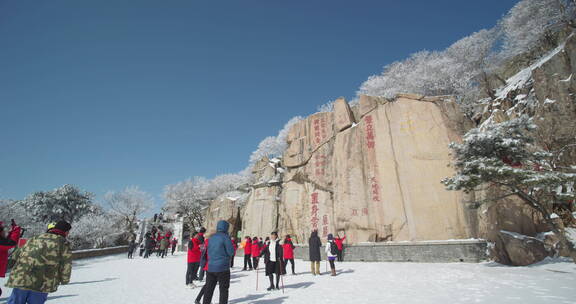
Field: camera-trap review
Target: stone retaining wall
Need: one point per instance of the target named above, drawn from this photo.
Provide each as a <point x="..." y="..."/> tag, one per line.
<point x="90" y="253"/>
<point x="470" y="251"/>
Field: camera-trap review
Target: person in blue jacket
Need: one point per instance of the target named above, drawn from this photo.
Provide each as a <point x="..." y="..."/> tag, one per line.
<point x="220" y="251"/>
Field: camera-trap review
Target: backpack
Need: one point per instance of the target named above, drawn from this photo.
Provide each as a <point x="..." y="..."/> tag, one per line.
<point x="333" y="248"/>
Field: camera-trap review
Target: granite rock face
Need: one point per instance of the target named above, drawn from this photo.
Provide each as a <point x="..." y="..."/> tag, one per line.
<point x="375" y="179"/>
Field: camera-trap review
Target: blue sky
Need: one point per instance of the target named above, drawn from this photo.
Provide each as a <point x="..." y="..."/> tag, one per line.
<point x="106" y="94"/>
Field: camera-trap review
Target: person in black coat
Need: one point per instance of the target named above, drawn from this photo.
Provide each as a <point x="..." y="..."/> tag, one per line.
<point x="314" y="245"/>
<point x="150" y="244"/>
<point x="273" y="258"/>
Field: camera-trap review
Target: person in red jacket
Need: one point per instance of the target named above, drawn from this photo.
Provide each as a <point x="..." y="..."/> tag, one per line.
<point x="340" y="244"/>
<point x="235" y="246"/>
<point x="247" y="254"/>
<point x="256" y="250"/>
<point x="288" y="249"/>
<point x="7" y="243"/>
<point x="194" y="254"/>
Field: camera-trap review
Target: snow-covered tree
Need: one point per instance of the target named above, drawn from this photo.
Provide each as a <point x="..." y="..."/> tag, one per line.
<point x="454" y="71"/>
<point x="529" y="21"/>
<point x="189" y="199"/>
<point x="274" y="146"/>
<point x="94" y="231"/>
<point x="505" y="155"/>
<point x="65" y="203"/>
<point x="129" y="204"/>
<point x="10" y="209"/>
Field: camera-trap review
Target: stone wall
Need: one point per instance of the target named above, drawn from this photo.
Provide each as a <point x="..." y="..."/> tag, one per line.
<point x="91" y="253"/>
<point x="469" y="251"/>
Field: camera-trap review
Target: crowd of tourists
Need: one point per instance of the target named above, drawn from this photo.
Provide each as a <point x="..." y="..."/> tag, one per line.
<point x="44" y="262"/>
<point x="212" y="256"/>
<point x="155" y="241"/>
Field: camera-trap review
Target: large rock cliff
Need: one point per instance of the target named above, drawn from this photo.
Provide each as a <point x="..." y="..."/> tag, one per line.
<point x="372" y="172"/>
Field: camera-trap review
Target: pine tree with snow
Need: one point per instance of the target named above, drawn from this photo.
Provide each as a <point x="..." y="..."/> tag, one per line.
<point x="505" y="155"/>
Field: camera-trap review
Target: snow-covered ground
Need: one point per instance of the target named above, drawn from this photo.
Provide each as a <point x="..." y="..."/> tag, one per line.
<point x="116" y="279"/>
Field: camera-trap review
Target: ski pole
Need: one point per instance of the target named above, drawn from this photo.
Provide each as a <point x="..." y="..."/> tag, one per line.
<point x="257" y="275"/>
<point x="282" y="279"/>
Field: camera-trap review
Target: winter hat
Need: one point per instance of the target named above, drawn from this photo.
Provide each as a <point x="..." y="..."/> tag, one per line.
<point x="330" y="236"/>
<point x="63" y="225"/>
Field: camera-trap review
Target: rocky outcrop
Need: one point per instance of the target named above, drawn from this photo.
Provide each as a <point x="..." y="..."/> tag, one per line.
<point x="521" y="250"/>
<point x="540" y="84"/>
<point x="225" y="207"/>
<point x="260" y="214"/>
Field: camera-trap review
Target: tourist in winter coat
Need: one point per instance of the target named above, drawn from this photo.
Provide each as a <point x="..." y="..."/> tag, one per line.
<point x="203" y="249"/>
<point x="331" y="252"/>
<point x="40" y="266"/>
<point x="220" y="251"/>
<point x="235" y="246"/>
<point x="142" y="248"/>
<point x="150" y="245"/>
<point x="256" y="250"/>
<point x="131" y="249"/>
<point x="194" y="254"/>
<point x="340" y="244"/>
<point x="174" y="244"/>
<point x="288" y="250"/>
<point x="314" y="245"/>
<point x="247" y="254"/>
<point x="164" y="247"/>
<point x="6" y="243"/>
<point x="273" y="258"/>
<point x="204" y="267"/>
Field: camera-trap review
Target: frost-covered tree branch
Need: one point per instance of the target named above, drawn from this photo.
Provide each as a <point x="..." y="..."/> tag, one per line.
<point x="129" y="204"/>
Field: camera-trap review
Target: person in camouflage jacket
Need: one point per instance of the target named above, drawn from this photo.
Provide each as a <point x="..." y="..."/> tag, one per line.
<point x="38" y="268"/>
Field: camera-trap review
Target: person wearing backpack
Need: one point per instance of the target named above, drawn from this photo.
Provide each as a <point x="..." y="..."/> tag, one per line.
<point x="331" y="252"/>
